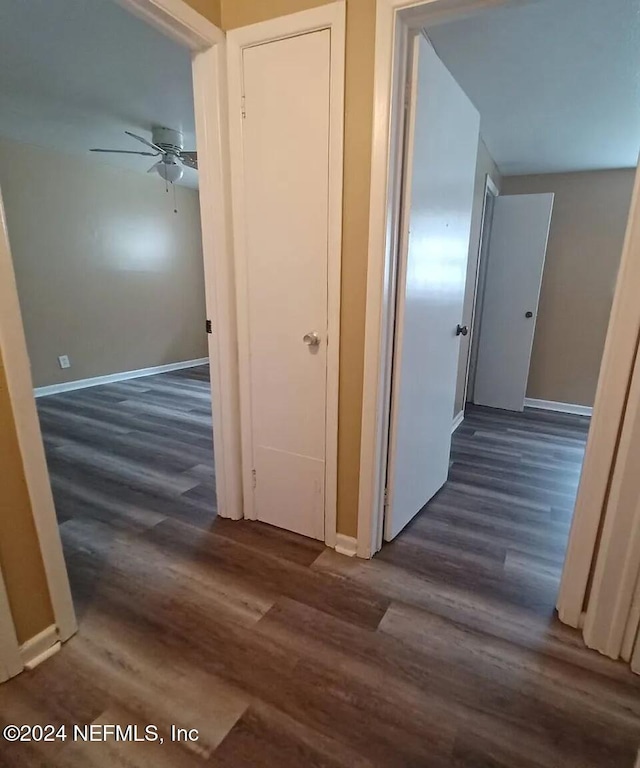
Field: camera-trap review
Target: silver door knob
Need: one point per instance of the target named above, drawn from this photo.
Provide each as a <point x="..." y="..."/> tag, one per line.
<point x="311" y="339"/>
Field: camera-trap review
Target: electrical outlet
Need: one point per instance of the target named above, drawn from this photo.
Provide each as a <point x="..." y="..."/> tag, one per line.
<point x="64" y="361"/>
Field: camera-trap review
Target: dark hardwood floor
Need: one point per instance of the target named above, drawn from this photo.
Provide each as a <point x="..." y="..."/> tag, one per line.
<point x="442" y="651"/>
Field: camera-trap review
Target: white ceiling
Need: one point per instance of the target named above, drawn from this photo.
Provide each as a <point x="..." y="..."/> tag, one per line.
<point x="557" y="82"/>
<point x="77" y="73"/>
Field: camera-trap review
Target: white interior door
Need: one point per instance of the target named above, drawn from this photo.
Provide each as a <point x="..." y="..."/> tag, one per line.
<point x="519" y="234"/>
<point x="285" y="134"/>
<point x="440" y="166"/>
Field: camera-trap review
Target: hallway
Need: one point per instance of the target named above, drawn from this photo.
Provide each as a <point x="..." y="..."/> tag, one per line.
<point x="442" y="651"/>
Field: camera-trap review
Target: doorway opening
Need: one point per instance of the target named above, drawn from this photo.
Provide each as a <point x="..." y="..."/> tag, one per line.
<point x="111" y="282"/>
<point x="142" y="283"/>
<point x="498" y="274"/>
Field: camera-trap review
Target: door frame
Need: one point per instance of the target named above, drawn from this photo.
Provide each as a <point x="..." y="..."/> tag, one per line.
<point x="182" y="23"/>
<point x="615" y="576"/>
<point x="332" y="17"/>
<point x="609" y="409"/>
<point x="490" y="190"/>
<point x="393" y="19"/>
<point x="11" y="662"/>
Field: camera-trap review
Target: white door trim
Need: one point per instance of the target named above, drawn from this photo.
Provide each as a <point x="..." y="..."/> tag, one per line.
<point x="179" y="21"/>
<point x="490" y="190"/>
<point x="332" y="17"/>
<point x="617" y="565"/>
<point x="11" y="662"/>
<point x="20" y="386"/>
<point x="391" y="17"/>
<point x="618" y="360"/>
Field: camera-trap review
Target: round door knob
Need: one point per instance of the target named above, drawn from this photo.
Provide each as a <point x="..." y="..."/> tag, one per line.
<point x="462" y="330"/>
<point x="311" y="339"/>
<point x="528" y="315"/>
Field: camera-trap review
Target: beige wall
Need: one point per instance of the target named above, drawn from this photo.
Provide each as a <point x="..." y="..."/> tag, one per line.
<point x="107" y="273"/>
<point x="20" y="558"/>
<point x="485" y="165"/>
<point x="357" y="174"/>
<point x="585" y="244"/>
<point x="211" y="9"/>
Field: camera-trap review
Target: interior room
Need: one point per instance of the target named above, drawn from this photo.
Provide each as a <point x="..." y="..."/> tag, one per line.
<point x="545" y="201"/>
<point x="107" y="252"/>
<point x="549" y="127"/>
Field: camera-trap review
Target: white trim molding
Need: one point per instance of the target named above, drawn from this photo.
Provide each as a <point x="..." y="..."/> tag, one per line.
<point x="110" y="378"/>
<point x="11" y="663"/>
<point x="212" y="134"/>
<point x="346" y="545"/>
<point x="177" y="20"/>
<point x="332" y="17"/>
<point x="552" y="405"/>
<point x="40" y="647"/>
<point x="457" y="421"/>
<point x="618" y="360"/>
<point x="615" y="573"/>
<point x="20" y="386"/>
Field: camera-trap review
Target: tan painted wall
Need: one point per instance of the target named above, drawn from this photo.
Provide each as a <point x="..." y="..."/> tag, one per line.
<point x="485" y="165"/>
<point x="357" y="174"/>
<point x="20" y="557"/>
<point x="209" y="8"/>
<point x="106" y="272"/>
<point x="585" y="244"/>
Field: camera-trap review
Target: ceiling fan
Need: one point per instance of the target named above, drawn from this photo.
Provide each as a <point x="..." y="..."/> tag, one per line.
<point x="166" y="144"/>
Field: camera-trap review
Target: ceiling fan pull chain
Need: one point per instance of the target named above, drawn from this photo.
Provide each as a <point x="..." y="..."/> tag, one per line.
<point x="175" y="203"/>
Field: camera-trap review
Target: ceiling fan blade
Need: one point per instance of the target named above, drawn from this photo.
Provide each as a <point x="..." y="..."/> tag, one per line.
<point x="190" y="159"/>
<point x="148" y="143"/>
<point x="125" y="152"/>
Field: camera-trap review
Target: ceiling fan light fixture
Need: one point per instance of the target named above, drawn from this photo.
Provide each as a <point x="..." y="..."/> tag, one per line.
<point x="170" y="172"/>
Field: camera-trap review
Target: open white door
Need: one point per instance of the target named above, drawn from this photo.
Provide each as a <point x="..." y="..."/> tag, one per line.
<point x="440" y="166"/>
<point x="517" y="250"/>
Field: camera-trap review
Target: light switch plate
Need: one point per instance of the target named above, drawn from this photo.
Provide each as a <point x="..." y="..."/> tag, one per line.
<point x="64" y="361"/>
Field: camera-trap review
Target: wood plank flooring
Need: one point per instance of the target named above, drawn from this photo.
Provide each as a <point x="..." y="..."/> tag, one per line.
<point x="443" y="651"/>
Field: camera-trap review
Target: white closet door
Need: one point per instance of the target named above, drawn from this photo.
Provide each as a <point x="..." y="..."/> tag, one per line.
<point x="286" y="177"/>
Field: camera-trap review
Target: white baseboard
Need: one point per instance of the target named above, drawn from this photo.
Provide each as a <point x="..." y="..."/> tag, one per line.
<point x="346" y="545"/>
<point x="457" y="421"/>
<point x="551" y="405"/>
<point x="96" y="381"/>
<point x="40" y="648"/>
